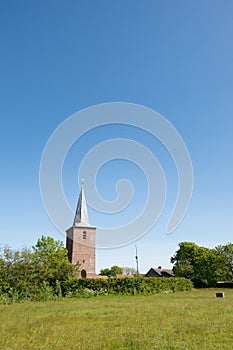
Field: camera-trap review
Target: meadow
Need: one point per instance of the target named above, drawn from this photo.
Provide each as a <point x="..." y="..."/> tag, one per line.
<point x="181" y="320"/>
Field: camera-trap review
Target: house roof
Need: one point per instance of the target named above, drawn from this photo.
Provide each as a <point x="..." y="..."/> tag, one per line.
<point x="160" y="272"/>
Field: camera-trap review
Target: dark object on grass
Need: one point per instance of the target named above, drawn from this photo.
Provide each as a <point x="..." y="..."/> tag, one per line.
<point x="220" y="295"/>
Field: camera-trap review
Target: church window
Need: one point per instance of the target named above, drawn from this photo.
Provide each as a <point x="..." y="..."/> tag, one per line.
<point x="84" y="235"/>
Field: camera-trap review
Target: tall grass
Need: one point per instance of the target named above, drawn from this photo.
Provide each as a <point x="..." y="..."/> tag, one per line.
<point x="183" y="320"/>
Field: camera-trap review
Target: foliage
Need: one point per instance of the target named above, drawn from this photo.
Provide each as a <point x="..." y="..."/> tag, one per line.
<point x="129" y="270"/>
<point x="34" y="274"/>
<point x="125" y="286"/>
<point x="226" y="252"/>
<point x="112" y="272"/>
<point x="52" y="260"/>
<point x="203" y="266"/>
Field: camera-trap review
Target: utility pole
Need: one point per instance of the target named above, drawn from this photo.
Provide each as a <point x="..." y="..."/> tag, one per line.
<point x="136" y="257"/>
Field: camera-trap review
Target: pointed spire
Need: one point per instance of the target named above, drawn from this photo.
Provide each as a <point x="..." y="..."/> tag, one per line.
<point x="81" y="216"/>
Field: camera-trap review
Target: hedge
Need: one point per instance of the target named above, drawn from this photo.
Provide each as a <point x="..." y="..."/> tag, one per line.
<point x="123" y="286"/>
<point x="83" y="287"/>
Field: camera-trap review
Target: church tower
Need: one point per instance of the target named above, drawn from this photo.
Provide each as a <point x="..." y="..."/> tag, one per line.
<point x="80" y="239"/>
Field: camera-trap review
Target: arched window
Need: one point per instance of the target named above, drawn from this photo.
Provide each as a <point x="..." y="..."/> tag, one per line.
<point x="84" y="235"/>
<point x="83" y="274"/>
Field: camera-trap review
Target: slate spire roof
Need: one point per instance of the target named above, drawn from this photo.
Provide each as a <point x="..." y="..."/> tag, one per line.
<point x="81" y="216"/>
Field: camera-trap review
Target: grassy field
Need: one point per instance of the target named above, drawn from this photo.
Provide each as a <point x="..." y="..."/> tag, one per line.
<point x="184" y="320"/>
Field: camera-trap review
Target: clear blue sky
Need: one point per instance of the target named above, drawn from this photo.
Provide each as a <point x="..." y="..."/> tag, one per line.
<point x="58" y="57"/>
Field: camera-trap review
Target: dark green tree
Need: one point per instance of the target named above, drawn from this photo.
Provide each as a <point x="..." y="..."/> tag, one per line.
<point x="204" y="266"/>
<point x="226" y="253"/>
<point x="51" y="260"/>
<point x="112" y="272"/>
<point x="28" y="273"/>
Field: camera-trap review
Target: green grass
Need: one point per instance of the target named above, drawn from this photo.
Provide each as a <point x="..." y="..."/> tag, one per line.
<point x="184" y="320"/>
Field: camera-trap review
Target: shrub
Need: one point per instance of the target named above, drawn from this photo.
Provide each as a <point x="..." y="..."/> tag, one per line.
<point x="124" y="286"/>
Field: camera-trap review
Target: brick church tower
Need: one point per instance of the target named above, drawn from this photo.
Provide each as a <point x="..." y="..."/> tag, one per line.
<point x="80" y="239"/>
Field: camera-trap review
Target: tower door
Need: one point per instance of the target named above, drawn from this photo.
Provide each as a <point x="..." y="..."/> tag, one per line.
<point x="83" y="273"/>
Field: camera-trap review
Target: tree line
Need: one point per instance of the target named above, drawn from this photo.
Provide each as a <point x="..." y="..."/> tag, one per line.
<point x="203" y="266"/>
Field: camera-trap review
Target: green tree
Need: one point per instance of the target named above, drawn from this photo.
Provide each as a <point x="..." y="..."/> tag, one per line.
<point x="29" y="273"/>
<point x="16" y="270"/>
<point x="105" y="272"/>
<point x="129" y="270"/>
<point x="51" y="260"/>
<point x="204" y="266"/>
<point x="226" y="253"/>
<point x="184" y="260"/>
<point x="112" y="272"/>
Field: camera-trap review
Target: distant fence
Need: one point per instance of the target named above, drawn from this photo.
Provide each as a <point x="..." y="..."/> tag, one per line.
<point x="225" y="284"/>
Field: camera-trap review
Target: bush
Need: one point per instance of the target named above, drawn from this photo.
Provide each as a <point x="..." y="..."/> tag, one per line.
<point x="124" y="286"/>
<point x="86" y="288"/>
<point x="34" y="274"/>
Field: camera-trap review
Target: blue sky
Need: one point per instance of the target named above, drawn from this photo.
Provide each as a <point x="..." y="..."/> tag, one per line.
<point x="175" y="57"/>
